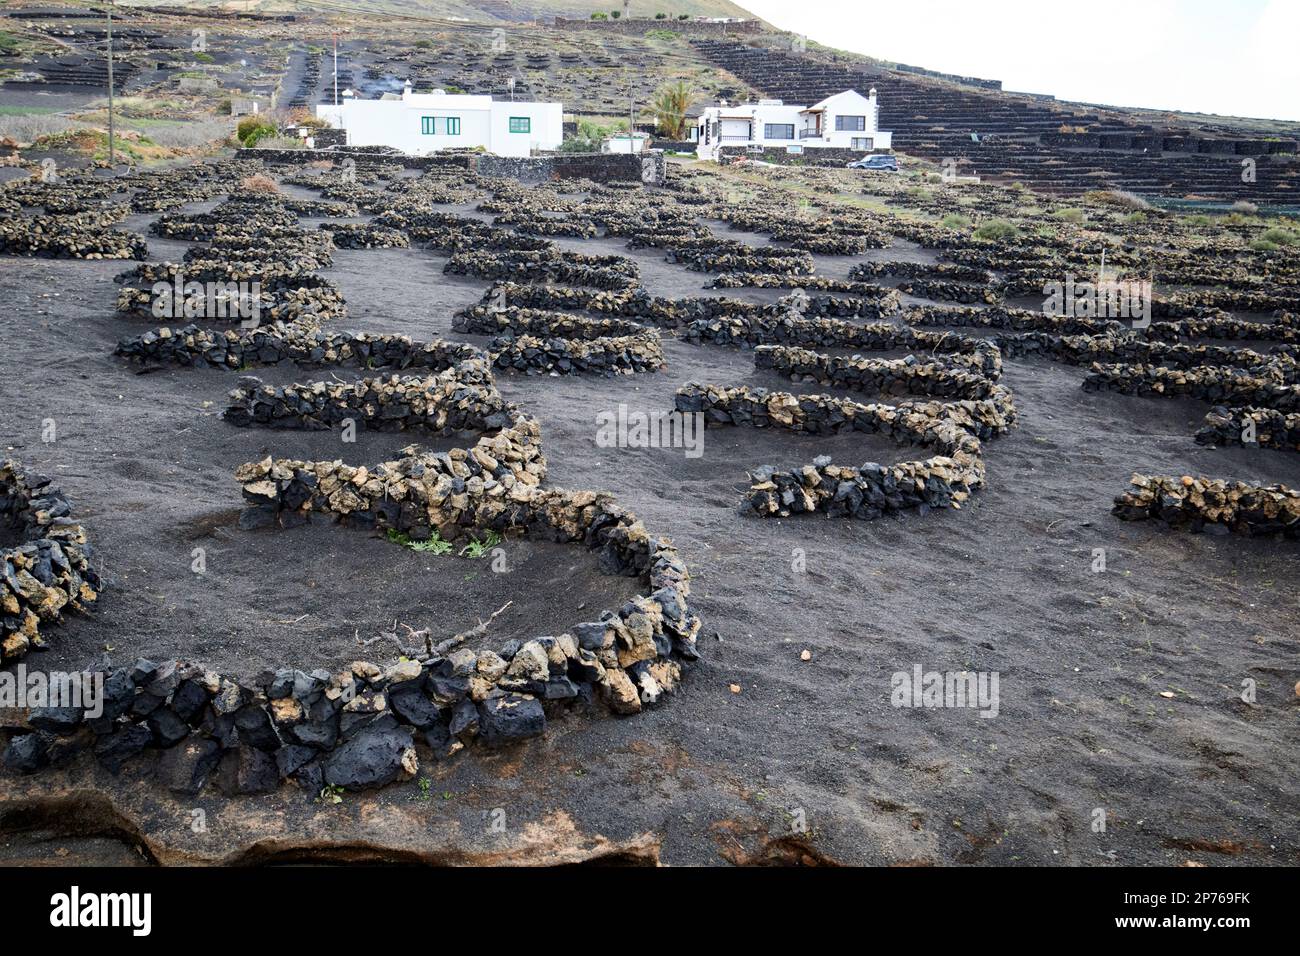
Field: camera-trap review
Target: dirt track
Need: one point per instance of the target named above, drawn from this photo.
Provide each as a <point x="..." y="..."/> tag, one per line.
<point x="1003" y="585"/>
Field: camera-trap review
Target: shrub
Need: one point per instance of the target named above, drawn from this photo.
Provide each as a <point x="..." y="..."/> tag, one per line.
<point x="954" y="221"/>
<point x="202" y="57"/>
<point x="615" y="14"/>
<point x="661" y="16"/>
<point x="1242" y="206"/>
<point x="1071" y="214"/>
<point x="252" y="129"/>
<point x="590" y="137"/>
<point x="599" y="16"/>
<point x="258" y="183"/>
<point x="996" y="229"/>
<point x="1115" y="197"/>
<point x="1281" y="237"/>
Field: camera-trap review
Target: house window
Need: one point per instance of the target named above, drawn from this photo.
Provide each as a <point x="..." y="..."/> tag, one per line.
<point x="521" y="124"/>
<point x="862" y="142"/>
<point x="778" y="131"/>
<point x="440" y="125"/>
<point x="850" y="122"/>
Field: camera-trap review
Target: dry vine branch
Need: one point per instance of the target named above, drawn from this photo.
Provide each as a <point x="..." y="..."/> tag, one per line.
<point x="429" y="650"/>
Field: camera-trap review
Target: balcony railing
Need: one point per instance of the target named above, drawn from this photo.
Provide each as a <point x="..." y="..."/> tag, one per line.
<point x="739" y="139"/>
<point x="810" y="134"/>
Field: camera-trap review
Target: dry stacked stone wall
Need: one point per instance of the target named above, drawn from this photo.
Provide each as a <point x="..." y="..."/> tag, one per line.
<point x="49" y="571"/>
<point x="358" y="728"/>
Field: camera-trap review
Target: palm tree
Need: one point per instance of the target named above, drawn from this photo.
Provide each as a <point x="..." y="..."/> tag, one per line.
<point x="670" y="104"/>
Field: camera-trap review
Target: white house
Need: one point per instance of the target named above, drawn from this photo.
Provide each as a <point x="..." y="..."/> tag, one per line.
<point x="420" y="123"/>
<point x="846" y="120"/>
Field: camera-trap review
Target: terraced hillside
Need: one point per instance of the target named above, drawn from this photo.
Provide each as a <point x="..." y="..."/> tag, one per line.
<point x="1050" y="146"/>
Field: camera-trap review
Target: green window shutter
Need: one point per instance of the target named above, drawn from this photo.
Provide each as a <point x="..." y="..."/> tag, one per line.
<point x="440" y="125"/>
<point x="521" y="124"/>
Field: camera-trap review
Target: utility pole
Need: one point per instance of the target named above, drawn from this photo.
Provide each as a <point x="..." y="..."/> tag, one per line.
<point x="336" y="69"/>
<point x="631" y="113"/>
<point x="112" y="158"/>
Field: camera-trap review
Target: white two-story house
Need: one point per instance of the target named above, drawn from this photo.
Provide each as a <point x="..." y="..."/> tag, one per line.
<point x="846" y="120"/>
<point x="422" y="123"/>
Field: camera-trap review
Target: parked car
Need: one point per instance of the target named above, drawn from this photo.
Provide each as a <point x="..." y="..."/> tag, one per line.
<point x="875" y="162"/>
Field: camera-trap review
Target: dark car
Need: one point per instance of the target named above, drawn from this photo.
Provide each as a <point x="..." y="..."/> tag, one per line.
<point x="875" y="162"/>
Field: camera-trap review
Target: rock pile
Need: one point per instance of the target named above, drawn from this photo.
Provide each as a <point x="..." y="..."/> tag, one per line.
<point x="49" y="571"/>
<point x="947" y="271"/>
<point x="867" y="491"/>
<point x="598" y="272"/>
<point x="1212" y="505"/>
<point x="512" y="320"/>
<point x="443" y="403"/>
<point x="960" y="376"/>
<point x="1265" y="427"/>
<point x="613" y="355"/>
<point x="350" y="236"/>
<point x="85" y="235"/>
<point x="302" y="344"/>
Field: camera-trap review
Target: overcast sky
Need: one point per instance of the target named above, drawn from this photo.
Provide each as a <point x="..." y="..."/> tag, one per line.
<point x="1232" y="57"/>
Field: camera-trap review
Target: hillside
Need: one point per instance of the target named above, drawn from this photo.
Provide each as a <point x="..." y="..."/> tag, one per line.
<point x="512" y="11"/>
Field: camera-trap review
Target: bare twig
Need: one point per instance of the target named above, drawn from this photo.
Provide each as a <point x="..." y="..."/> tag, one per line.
<point x="475" y="631"/>
<point x="415" y="652"/>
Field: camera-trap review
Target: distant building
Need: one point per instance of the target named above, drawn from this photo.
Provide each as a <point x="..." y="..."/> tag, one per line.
<point x="626" y="143"/>
<point x="846" y="120"/>
<point x="244" y="106"/>
<point x="421" y="123"/>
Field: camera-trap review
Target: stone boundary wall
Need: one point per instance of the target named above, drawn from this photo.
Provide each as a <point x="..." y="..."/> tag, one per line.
<point x="949" y="378"/>
<point x="638" y="26"/>
<point x="1271" y="428"/>
<point x="365" y="236"/>
<point x="649" y="168"/>
<point x="443" y="403"/>
<point x="637" y="303"/>
<point x="865" y="492"/>
<point x="1212" y="505"/>
<point x="514" y="320"/>
<point x="362" y="157"/>
<point x="273" y="344"/>
<point x="49" y="571"/>
<point x="760" y="280"/>
<point x="356" y="729"/>
<point x="943" y="290"/>
<point x="618" y="355"/>
<point x="1127" y="347"/>
<point x="829" y="156"/>
<point x="1213" y="384"/>
<point x="80" y="236"/>
<point x="1001" y="317"/>
<point x="870" y="271"/>
<point x="753" y="331"/>
<point x="1227" y="327"/>
<point x="599" y="272"/>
